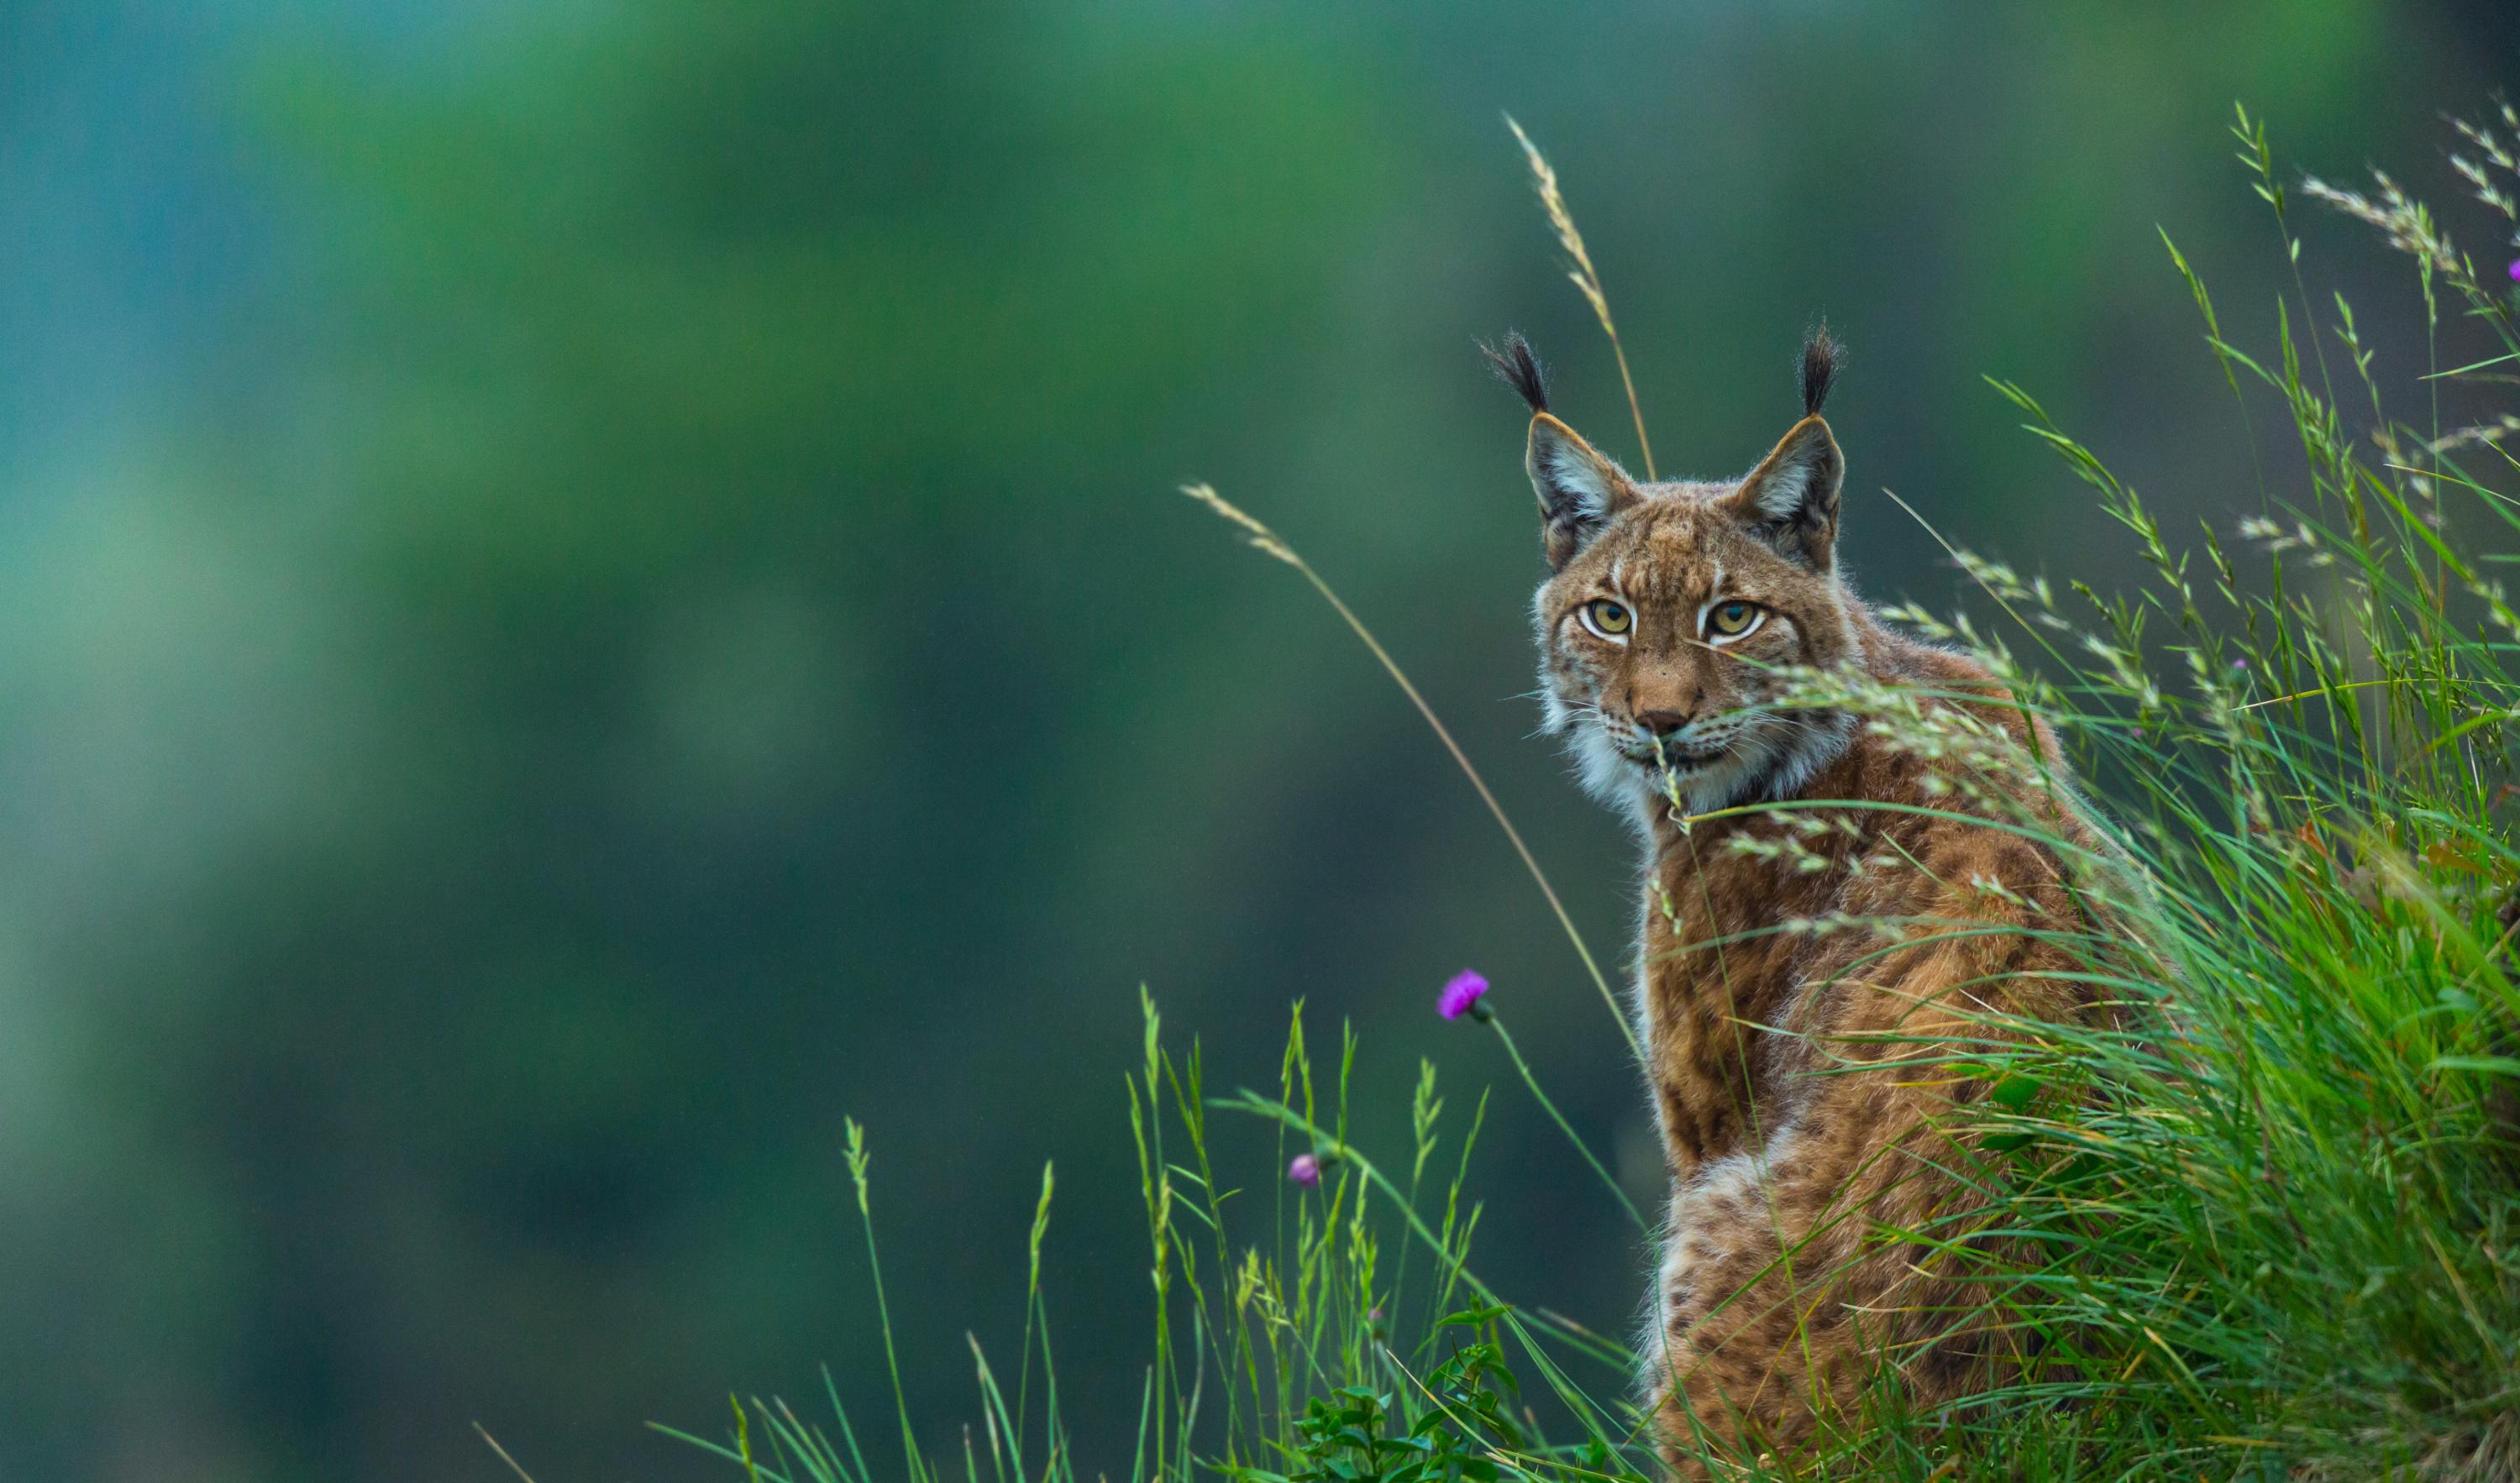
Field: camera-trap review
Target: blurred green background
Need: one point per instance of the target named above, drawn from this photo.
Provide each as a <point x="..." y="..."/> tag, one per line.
<point x="591" y="588"/>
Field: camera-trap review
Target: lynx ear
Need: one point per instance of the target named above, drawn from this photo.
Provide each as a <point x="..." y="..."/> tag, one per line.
<point x="1579" y="489"/>
<point x="1790" y="500"/>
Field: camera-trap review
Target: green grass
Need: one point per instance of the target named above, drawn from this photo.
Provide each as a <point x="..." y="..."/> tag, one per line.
<point x="2260" y="1220"/>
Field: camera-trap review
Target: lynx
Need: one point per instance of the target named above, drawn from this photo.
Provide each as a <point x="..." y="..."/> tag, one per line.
<point x="1822" y="892"/>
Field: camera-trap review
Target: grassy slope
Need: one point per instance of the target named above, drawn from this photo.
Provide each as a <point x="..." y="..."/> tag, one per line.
<point x="2273" y="1204"/>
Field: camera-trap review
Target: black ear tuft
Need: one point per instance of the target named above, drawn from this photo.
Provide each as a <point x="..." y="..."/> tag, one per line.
<point x="1821" y="357"/>
<point x="1518" y="368"/>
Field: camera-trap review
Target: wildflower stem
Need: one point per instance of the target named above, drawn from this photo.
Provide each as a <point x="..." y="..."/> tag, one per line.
<point x="1538" y="877"/>
<point x="1267" y="541"/>
<point x="1496" y="1022"/>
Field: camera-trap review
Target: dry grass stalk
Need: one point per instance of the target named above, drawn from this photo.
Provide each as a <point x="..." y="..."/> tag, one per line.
<point x="1586" y="277"/>
<point x="1261" y="536"/>
<point x="1266" y="540"/>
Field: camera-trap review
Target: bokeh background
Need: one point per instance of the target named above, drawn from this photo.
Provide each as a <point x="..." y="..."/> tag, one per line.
<point x="588" y="589"/>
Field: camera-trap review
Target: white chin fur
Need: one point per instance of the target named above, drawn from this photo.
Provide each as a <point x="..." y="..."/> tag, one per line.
<point x="1759" y="763"/>
<point x="1621" y="786"/>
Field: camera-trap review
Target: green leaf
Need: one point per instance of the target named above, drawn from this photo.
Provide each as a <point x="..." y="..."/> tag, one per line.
<point x="2492" y="1065"/>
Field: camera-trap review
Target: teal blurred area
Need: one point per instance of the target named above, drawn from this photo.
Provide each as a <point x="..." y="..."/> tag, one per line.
<point x="593" y="588"/>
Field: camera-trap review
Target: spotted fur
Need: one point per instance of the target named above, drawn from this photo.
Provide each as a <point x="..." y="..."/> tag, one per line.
<point x="1777" y="1295"/>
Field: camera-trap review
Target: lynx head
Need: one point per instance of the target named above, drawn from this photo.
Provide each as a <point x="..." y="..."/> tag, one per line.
<point x="1673" y="610"/>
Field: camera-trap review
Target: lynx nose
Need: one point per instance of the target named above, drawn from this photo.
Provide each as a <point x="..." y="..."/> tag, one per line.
<point x="1662" y="723"/>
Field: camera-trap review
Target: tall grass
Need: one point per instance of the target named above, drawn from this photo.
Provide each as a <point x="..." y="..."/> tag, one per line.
<point x="2258" y="1222"/>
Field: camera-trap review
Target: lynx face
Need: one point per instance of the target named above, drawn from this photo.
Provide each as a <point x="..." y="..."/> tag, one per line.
<point x="1675" y="609"/>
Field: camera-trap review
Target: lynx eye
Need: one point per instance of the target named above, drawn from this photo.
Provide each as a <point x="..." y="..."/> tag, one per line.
<point x="1607" y="618"/>
<point x="1731" y="620"/>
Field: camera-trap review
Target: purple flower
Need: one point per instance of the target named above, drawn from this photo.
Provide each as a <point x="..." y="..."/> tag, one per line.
<point x="1461" y="996"/>
<point x="1306" y="1171"/>
<point x="2516" y="270"/>
<point x="2239" y="665"/>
